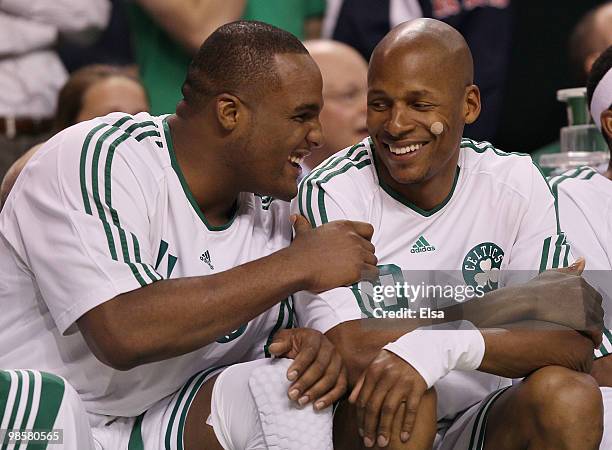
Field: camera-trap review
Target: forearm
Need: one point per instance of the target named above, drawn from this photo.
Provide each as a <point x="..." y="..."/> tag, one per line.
<point x="359" y="341"/>
<point x="513" y="350"/>
<point x="173" y="317"/>
<point x="516" y="350"/>
<point x="190" y="22"/>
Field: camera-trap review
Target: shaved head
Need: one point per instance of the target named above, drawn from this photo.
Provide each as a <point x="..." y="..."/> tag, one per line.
<point x="421" y="94"/>
<point x="444" y="46"/>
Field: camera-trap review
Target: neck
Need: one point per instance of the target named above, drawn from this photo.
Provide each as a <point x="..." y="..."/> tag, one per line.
<point x="210" y="180"/>
<point x="429" y="193"/>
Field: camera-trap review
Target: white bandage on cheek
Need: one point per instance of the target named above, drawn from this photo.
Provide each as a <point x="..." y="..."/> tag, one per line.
<point x="436" y="350"/>
<point x="437" y="128"/>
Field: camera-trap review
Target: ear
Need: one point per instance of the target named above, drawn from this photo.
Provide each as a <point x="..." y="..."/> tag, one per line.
<point x="606" y="123"/>
<point x="229" y="110"/>
<point x="471" y="108"/>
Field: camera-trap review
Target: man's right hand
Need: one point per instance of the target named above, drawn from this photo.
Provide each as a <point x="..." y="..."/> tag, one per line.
<point x="338" y="253"/>
<point x="564" y="297"/>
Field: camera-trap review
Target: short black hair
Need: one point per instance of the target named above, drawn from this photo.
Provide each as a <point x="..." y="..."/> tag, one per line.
<point x="237" y="55"/>
<point x="600" y="68"/>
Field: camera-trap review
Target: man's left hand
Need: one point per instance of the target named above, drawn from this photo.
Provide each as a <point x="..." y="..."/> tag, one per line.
<point x="317" y="372"/>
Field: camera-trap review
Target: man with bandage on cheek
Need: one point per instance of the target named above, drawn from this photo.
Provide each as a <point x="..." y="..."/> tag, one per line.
<point x="585" y="212"/>
<point x="438" y="202"/>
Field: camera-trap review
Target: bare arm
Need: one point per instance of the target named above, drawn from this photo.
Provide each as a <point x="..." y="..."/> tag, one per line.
<point x="190" y="22"/>
<point x="174" y="317"/>
<point x="177" y="316"/>
<point x="556" y="296"/>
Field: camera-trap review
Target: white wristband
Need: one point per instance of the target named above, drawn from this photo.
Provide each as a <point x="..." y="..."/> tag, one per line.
<point x="436" y="350"/>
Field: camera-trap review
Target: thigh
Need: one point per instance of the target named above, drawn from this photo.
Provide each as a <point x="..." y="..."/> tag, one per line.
<point x="175" y="422"/>
<point x="347" y="437"/>
<point x="40" y="402"/>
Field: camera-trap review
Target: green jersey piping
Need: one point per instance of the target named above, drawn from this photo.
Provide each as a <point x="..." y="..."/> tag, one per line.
<point x="185" y="186"/>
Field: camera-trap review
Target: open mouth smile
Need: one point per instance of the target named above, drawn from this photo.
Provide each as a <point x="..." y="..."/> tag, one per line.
<point x="404" y="149"/>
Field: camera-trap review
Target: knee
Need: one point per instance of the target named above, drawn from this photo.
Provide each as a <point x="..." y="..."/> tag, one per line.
<point x="562" y="398"/>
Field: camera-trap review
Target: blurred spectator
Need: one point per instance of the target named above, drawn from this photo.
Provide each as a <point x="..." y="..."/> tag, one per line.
<point x="345" y="86"/>
<point x="166" y="34"/>
<point x="485" y="24"/>
<point x="90" y="92"/>
<point x="31" y="72"/>
<point x="591" y="36"/>
<point x="113" y="46"/>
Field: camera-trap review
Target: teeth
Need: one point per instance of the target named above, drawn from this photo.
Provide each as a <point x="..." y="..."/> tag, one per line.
<point x="403" y="150"/>
<point x="296" y="159"/>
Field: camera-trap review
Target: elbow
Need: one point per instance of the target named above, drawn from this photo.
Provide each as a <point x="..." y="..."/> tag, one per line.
<point x="122" y="359"/>
<point x="109" y="341"/>
<point x="118" y="351"/>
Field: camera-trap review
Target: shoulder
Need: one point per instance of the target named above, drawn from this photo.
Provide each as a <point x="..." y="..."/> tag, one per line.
<point x="343" y="170"/>
<point x="483" y="154"/>
<point x="87" y="156"/>
<point x="517" y="171"/>
<point x="583" y="183"/>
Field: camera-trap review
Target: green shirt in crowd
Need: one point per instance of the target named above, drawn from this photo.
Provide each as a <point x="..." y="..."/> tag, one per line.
<point x="163" y="62"/>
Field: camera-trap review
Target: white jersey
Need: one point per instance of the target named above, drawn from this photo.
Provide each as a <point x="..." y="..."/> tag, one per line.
<point x="103" y="209"/>
<point x="585" y="211"/>
<point x="499" y="215"/>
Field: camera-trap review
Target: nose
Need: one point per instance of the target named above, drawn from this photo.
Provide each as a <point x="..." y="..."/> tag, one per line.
<point x="315" y="135"/>
<point x="399" y="122"/>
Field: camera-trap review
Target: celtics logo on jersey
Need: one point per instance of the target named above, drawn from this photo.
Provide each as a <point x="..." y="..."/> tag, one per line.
<point x="481" y="266"/>
<point x="233" y="335"/>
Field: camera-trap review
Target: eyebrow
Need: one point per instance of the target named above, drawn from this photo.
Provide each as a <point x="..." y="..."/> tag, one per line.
<point x="416" y="92"/>
<point x="309" y="107"/>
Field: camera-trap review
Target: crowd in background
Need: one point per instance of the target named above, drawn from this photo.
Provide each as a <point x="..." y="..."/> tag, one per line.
<point x="154" y="40"/>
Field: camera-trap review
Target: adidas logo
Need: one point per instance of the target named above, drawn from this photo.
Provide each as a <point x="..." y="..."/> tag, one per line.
<point x="206" y="258"/>
<point x="421" y="245"/>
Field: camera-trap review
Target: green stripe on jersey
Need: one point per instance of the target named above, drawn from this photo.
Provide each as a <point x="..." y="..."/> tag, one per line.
<point x="146" y="134"/>
<point x="321" y="196"/>
<point x="16" y="403"/>
<point x="481" y="147"/>
<point x="51" y="397"/>
<point x="279" y="323"/>
<point x="136" y="442"/>
<point x="555" y="181"/>
<point x="319" y="177"/>
<point x="192" y="386"/>
<point x="112" y="129"/>
<point x="28" y="408"/>
<point x="332" y="162"/>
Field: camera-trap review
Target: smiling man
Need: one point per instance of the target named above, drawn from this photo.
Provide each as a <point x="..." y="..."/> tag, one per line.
<point x="442" y="203"/>
<point x="140" y="256"/>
